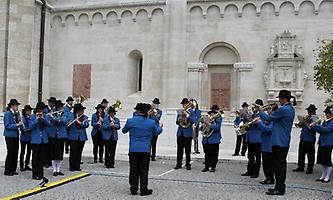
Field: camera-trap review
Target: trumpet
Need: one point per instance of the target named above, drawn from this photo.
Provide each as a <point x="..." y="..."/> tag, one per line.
<point x="40" y="115"/>
<point x="73" y="121"/>
<point x="269" y="106"/>
<point x="152" y="112"/>
<point x="320" y="121"/>
<point x="244" y="127"/>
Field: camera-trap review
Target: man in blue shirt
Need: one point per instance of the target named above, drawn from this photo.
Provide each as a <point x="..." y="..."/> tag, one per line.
<point x="12" y="123"/>
<point x="141" y="130"/>
<point x="282" y="119"/>
<point x="307" y="141"/>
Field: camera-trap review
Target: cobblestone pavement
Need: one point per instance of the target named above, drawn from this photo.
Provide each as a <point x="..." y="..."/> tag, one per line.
<point x="225" y="183"/>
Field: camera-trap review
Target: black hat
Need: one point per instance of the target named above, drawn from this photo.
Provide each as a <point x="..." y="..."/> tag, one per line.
<point x="329" y="109"/>
<point x="259" y="102"/>
<point x="99" y="106"/>
<point x="185" y="101"/>
<point x="311" y="107"/>
<point x="146" y="107"/>
<point x="286" y="94"/>
<point x="156" y="101"/>
<point x="212" y="111"/>
<point x="215" y="107"/>
<point x="104" y="101"/>
<point x="245" y="104"/>
<point x="139" y="107"/>
<point x="27" y="107"/>
<point x="78" y="107"/>
<point x="111" y="109"/>
<point x="13" y="102"/>
<point x="40" y="106"/>
<point x="69" y="99"/>
<point x="52" y="99"/>
<point x="59" y="104"/>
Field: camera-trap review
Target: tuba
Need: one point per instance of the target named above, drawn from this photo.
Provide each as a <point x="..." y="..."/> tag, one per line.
<point x="183" y="121"/>
<point x="205" y="123"/>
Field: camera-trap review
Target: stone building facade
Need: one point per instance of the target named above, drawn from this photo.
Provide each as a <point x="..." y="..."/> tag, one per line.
<point x="217" y="51"/>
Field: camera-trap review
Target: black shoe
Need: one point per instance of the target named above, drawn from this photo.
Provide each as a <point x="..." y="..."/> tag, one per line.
<point x="254" y="176"/>
<point x="15" y="173"/>
<point x="27" y="168"/>
<point x="235" y="154"/>
<point x="188" y="167"/>
<point x="55" y="173"/>
<point x="274" y="192"/>
<point x="243" y="154"/>
<point x="100" y="161"/>
<point x="178" y="167"/>
<point x="95" y="161"/>
<point x="134" y="192"/>
<point x="325" y="181"/>
<point x="107" y="166"/>
<point x="81" y="163"/>
<point x="246" y="174"/>
<point x="9" y="174"/>
<point x="153" y="159"/>
<point x="309" y="171"/>
<point x="67" y="152"/>
<point x="146" y="192"/>
<point x="60" y="174"/>
<point x="298" y="169"/>
<point x="197" y="152"/>
<point x="271" y="189"/>
<point x="212" y="170"/>
<point x="72" y="169"/>
<point x="319" y="180"/>
<point x="267" y="182"/>
<point x="79" y="169"/>
<point x="46" y="166"/>
<point x="205" y="170"/>
<point x="112" y="166"/>
<point x="22" y="169"/>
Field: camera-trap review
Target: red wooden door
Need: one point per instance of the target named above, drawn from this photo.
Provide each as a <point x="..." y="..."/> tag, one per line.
<point x="220" y="90"/>
<point x="82" y="80"/>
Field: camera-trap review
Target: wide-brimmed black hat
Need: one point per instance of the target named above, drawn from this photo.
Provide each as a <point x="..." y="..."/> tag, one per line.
<point x="111" y="109"/>
<point x="215" y="107"/>
<point x="156" y="101"/>
<point x="259" y="102"/>
<point x="104" y="101"/>
<point x="185" y="101"/>
<point x="27" y="107"/>
<point x="245" y="104"/>
<point x="69" y="99"/>
<point x="40" y="106"/>
<point x="78" y="107"/>
<point x="311" y="107"/>
<point x="286" y="94"/>
<point x="329" y="109"/>
<point x="52" y="99"/>
<point x="13" y="102"/>
<point x="59" y="104"/>
<point x="146" y="107"/>
<point x="139" y="107"/>
<point x="99" y="106"/>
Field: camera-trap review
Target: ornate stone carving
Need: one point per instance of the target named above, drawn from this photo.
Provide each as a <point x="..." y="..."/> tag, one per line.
<point x="285" y="69"/>
<point x="243" y="66"/>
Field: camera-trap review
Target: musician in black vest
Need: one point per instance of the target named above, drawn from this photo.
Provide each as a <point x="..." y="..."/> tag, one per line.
<point x="12" y="123"/>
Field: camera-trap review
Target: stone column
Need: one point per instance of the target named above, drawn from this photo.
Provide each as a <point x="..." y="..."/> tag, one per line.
<point x="196" y="81"/>
<point x="242" y="73"/>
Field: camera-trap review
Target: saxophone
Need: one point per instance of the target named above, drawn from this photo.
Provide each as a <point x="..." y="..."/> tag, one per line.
<point x="206" y="121"/>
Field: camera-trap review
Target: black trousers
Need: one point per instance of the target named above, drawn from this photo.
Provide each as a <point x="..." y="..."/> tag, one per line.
<point x="98" y="146"/>
<point x="48" y="150"/>
<point x="184" y="142"/>
<point x="12" y="145"/>
<point x="196" y="140"/>
<point x="153" y="146"/>
<point x="38" y="159"/>
<point x="25" y="146"/>
<point x="254" y="156"/>
<point x="241" y="141"/>
<point x="279" y="156"/>
<point x="306" y="148"/>
<point x="75" y="154"/>
<point x="110" y="151"/>
<point x="66" y="146"/>
<point x="211" y="155"/>
<point x="267" y="165"/>
<point x="139" y="167"/>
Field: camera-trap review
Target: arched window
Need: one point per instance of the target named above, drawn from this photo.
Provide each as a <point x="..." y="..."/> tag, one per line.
<point x="135" y="71"/>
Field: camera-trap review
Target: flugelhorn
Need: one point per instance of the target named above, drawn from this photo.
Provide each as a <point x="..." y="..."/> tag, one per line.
<point x="117" y="105"/>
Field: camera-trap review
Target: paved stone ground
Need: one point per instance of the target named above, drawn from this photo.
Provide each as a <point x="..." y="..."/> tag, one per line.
<point x="225" y="183"/>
